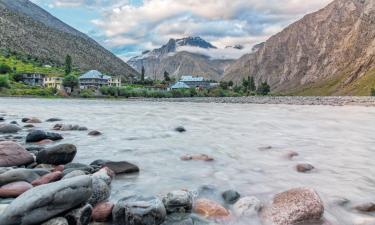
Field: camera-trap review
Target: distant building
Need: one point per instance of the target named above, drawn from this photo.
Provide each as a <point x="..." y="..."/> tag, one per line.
<point x="95" y="79"/>
<point x="33" y="79"/>
<point x="53" y="82"/>
<point x="191" y="82"/>
<point x="179" y="85"/>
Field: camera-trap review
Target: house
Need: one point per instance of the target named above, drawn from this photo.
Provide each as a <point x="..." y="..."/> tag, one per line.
<point x="53" y="82"/>
<point x="195" y="82"/>
<point x="95" y="79"/>
<point x="179" y="85"/>
<point x="33" y="79"/>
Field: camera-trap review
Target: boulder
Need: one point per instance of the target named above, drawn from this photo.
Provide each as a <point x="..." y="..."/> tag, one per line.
<point x="178" y="202"/>
<point x="199" y="157"/>
<point x="95" y="133"/>
<point x="80" y="216"/>
<point x="295" y="206"/>
<point x="15" y="189"/>
<point x="117" y="167"/>
<point x="365" y="207"/>
<point x="56" y="221"/>
<point x="105" y="174"/>
<point x="53" y="120"/>
<point x="247" y="206"/>
<point x="33" y="120"/>
<point x="100" y="191"/>
<point x="27" y="175"/>
<point x="9" y="128"/>
<point x="3" y="207"/>
<point x="13" y="154"/>
<point x="42" y="203"/>
<point x="39" y="135"/>
<point x="231" y="196"/>
<point x="78" y="166"/>
<point x="210" y="209"/>
<point x="102" y="212"/>
<point x="137" y="210"/>
<point x="48" y="178"/>
<point x="304" y="167"/>
<point x="74" y="173"/>
<point x="57" y="155"/>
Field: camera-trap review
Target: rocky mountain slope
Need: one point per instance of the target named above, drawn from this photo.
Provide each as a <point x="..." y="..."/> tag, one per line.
<point x="179" y="62"/>
<point x="27" y="28"/>
<point x="330" y="52"/>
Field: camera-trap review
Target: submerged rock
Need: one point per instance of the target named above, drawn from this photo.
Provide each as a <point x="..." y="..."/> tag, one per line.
<point x="9" y="128"/>
<point x="365" y="207"/>
<point x="304" y="167"/>
<point x="210" y="209"/>
<point x="95" y="133"/>
<point x="39" y="135"/>
<point x="117" y="167"/>
<point x="46" y="201"/>
<point x="80" y="216"/>
<point x="15" y="189"/>
<point x="57" y="155"/>
<point x="13" y="154"/>
<point x="180" y="129"/>
<point x="137" y="210"/>
<point x="178" y="202"/>
<point x="294" y="206"/>
<point x="32" y="120"/>
<point x="201" y="157"/>
<point x="247" y="206"/>
<point x="231" y="196"/>
<point x="53" y="120"/>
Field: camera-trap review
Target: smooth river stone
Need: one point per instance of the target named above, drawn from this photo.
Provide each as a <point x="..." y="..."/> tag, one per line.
<point x="247" y="206"/>
<point x="178" y="202"/>
<point x="9" y="129"/>
<point x="48" y="178"/>
<point x="39" y="135"/>
<point x="102" y="212"/>
<point x="304" y="167"/>
<point x="80" y="216"/>
<point x="101" y="191"/>
<point x="57" y="155"/>
<point x="13" y="154"/>
<point x="231" y="196"/>
<point x="210" y="209"/>
<point x="294" y="206"/>
<point x="28" y="175"/>
<point x="15" y="189"/>
<point x="117" y="167"/>
<point x="33" y="120"/>
<point x="44" y="202"/>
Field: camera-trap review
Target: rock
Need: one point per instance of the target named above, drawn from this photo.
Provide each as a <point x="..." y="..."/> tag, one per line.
<point x="181" y="219"/>
<point x="33" y="120"/>
<point x="74" y="173"/>
<point x="45" y="142"/>
<point x="137" y="210"/>
<point x="105" y="174"/>
<point x="209" y="192"/>
<point x="13" y="154"/>
<point x="48" y="178"/>
<point x="364" y="221"/>
<point x="46" y="201"/>
<point x="82" y="128"/>
<point x="29" y="126"/>
<point x="365" y="207"/>
<point x="294" y="206"/>
<point x="201" y="157"/>
<point x="54" y="120"/>
<point x="14" y="122"/>
<point x="15" y="189"/>
<point x="2" y="119"/>
<point x="210" y="209"/>
<point x="56" y="221"/>
<point x="291" y="154"/>
<point x="231" y="196"/>
<point x="3" y="207"/>
<point x="28" y="175"/>
<point x="304" y="167"/>
<point x="102" y="212"/>
<point x="24" y="120"/>
<point x="95" y="133"/>
<point x="265" y="148"/>
<point x="80" y="216"/>
<point x="78" y="166"/>
<point x="178" y="202"/>
<point x="39" y="135"/>
<point x="100" y="191"/>
<point x="180" y="129"/>
<point x="9" y="128"/>
<point x="247" y="206"/>
<point x="57" y="155"/>
<point x="117" y="167"/>
<point x="5" y="169"/>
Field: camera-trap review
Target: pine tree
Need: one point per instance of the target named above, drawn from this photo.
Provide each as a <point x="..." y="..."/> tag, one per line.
<point x="252" y="86"/>
<point x="68" y="64"/>
<point x="143" y="74"/>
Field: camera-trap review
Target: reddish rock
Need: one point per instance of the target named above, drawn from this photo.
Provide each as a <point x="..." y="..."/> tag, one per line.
<point x="15" y="189"/>
<point x="304" y="167"/>
<point x="106" y="170"/>
<point x="48" y="178"/>
<point x="366" y="207"/>
<point x="33" y="120"/>
<point x="210" y="209"/>
<point x="291" y="154"/>
<point x="201" y="157"/>
<point x="102" y="212"/>
<point x="13" y="154"/>
<point x="58" y="168"/>
<point x="44" y="142"/>
<point x="95" y="133"/>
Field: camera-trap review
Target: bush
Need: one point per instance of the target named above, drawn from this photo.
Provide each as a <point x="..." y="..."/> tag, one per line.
<point x="4" y="69"/>
<point x="86" y="93"/>
<point x="4" y="81"/>
<point x="372" y="91"/>
<point x="264" y="89"/>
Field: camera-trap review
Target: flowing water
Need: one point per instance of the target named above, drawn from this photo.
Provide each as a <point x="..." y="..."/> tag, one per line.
<point x="338" y="141"/>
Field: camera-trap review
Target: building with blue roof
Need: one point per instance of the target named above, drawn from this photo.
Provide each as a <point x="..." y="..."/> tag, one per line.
<point x="95" y="79"/>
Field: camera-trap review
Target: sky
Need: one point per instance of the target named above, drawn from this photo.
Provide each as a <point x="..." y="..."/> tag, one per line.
<point x="129" y="27"/>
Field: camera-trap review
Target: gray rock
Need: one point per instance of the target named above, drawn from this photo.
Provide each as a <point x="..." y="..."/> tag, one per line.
<point x="179" y="219"/>
<point x="53" y="120"/>
<point x="105" y="174"/>
<point x="78" y="166"/>
<point x="295" y="206"/>
<point x="178" y="202"/>
<point x="39" y="135"/>
<point x="117" y="167"/>
<point x="28" y="175"/>
<point x="57" y="155"/>
<point x="231" y="196"/>
<point x="9" y="128"/>
<point x="95" y="133"/>
<point x="2" y="208"/>
<point x="101" y="191"/>
<point x="5" y="169"/>
<point x="247" y="206"/>
<point x="46" y="201"/>
<point x="180" y="129"/>
<point x="80" y="216"/>
<point x="56" y="221"/>
<point x="137" y="210"/>
<point x="74" y="173"/>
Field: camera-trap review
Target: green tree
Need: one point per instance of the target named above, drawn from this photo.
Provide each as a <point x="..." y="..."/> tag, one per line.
<point x="143" y="74"/>
<point x="245" y="84"/>
<point x="166" y="76"/>
<point x="264" y="89"/>
<point x="70" y="81"/>
<point x="224" y="85"/>
<point x="68" y="64"/>
<point x="4" y="82"/>
<point x="252" y="86"/>
<point x="230" y="83"/>
<point x="4" y="69"/>
<point x="372" y="91"/>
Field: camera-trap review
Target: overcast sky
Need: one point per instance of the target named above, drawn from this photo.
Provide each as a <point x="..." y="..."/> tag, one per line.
<point x="128" y="27"/>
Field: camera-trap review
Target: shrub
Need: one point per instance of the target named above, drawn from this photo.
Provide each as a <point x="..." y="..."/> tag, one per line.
<point x="372" y="91"/>
<point x="86" y="93"/>
<point x="264" y="89"/>
<point x="4" y="69"/>
<point x="4" y="81"/>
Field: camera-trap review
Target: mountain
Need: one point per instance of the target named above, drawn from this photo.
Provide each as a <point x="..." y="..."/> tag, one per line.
<point x="28" y="29"/>
<point x="181" y="57"/>
<point x="329" y="52"/>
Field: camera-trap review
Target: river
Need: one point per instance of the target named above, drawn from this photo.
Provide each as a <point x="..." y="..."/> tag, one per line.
<point x="338" y="141"/>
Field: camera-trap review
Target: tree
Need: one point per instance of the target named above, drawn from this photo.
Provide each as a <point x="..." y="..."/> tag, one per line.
<point x="264" y="89"/>
<point x="4" y="69"/>
<point x="4" y="81"/>
<point x="70" y="81"/>
<point x="252" y="86"/>
<point x="245" y="84"/>
<point x="143" y="74"/>
<point x="372" y="91"/>
<point x="68" y="64"/>
<point x="166" y="76"/>
<point x="224" y="85"/>
<point x="230" y="83"/>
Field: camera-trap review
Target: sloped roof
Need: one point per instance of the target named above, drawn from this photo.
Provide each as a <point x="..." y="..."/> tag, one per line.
<point x="191" y="78"/>
<point x="92" y="74"/>
<point x="179" y="85"/>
